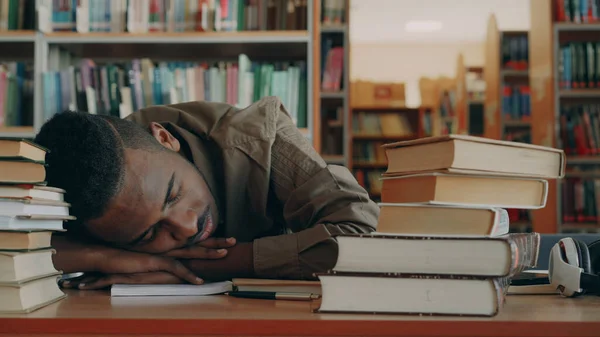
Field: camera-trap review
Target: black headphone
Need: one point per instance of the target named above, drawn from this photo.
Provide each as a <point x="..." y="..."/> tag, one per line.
<point x="574" y="267"/>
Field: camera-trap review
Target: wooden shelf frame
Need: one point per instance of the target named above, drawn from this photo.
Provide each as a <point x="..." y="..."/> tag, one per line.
<point x="545" y="37"/>
<point x="241" y="37"/>
<point x="496" y="77"/>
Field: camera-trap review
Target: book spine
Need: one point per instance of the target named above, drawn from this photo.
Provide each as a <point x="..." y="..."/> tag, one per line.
<point x="524" y="251"/>
<point x="501" y="222"/>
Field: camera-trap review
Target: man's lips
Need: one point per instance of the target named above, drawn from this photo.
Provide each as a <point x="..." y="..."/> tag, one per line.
<point x="208" y="227"/>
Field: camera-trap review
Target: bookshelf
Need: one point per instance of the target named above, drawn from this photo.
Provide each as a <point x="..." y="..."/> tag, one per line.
<point x="331" y="106"/>
<point x="564" y="107"/>
<point x="452" y="101"/>
<point x="475" y="100"/>
<point x="17" y="58"/>
<point x="508" y="108"/>
<point x="51" y="51"/>
<point x="462" y="117"/>
<point x="438" y="93"/>
<point x="384" y="119"/>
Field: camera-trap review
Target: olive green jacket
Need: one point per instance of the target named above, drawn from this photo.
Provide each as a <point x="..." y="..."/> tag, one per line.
<point x="270" y="185"/>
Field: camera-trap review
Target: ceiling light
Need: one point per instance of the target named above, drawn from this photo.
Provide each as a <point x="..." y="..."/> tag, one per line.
<point x="421" y="26"/>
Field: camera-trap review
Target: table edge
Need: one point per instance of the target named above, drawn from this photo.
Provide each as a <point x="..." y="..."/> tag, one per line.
<point x="291" y="327"/>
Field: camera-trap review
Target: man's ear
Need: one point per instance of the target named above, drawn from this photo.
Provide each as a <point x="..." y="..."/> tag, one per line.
<point x="164" y="137"/>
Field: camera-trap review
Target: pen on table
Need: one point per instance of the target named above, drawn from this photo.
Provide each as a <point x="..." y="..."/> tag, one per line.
<point x="272" y="295"/>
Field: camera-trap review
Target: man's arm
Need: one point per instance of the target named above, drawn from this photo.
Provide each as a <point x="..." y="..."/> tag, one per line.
<point x="318" y="201"/>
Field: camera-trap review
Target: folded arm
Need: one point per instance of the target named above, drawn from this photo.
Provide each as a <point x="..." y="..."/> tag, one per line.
<point x="319" y="201"/>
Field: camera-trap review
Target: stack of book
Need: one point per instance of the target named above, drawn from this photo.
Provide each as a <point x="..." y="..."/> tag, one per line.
<point x="442" y="245"/>
<point x="30" y="212"/>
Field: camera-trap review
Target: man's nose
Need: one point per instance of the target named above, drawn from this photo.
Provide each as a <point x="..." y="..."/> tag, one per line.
<point x="185" y="226"/>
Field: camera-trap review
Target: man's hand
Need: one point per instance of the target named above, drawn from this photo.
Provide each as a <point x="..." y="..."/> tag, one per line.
<point x="239" y="263"/>
<point x="113" y="265"/>
<point x="100" y="281"/>
<point x="211" y="248"/>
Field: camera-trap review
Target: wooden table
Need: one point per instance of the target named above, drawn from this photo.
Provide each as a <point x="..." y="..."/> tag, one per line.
<point x="96" y="313"/>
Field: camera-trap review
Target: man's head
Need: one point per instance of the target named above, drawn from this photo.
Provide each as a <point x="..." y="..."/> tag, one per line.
<point x="127" y="186"/>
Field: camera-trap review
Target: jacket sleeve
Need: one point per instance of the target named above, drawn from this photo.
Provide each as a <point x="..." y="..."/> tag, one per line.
<point x="319" y="201"/>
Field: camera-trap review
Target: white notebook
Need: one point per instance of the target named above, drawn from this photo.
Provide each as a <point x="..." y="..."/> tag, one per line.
<point x="171" y="289"/>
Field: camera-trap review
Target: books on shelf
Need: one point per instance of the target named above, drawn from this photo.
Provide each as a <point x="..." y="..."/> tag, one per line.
<point x="437" y="251"/>
<point x="475" y="85"/>
<point x="514" y="51"/>
<point x="143" y="16"/>
<point x="332" y="65"/>
<point x="121" y="88"/>
<point x="385" y="124"/>
<point x="576" y="11"/>
<point x="516" y="102"/>
<point x="579" y="65"/>
<point x="17" y="15"/>
<point x="29" y="214"/>
<point x="581" y="198"/>
<point x="580" y="129"/>
<point x="16" y="93"/>
<point x="333" y="12"/>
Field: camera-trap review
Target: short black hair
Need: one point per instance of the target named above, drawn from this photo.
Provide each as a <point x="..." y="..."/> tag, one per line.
<point x="86" y="157"/>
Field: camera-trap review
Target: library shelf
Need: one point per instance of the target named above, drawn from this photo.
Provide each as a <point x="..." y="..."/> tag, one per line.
<point x="583" y="160"/>
<point x="579" y="93"/>
<point x="334" y="29"/>
<point x="17" y="131"/>
<point x="576" y="226"/>
<point x="243" y="37"/>
<point x="576" y="27"/>
<point x="514" y="73"/>
<point x="550" y="31"/>
<point x="358" y="164"/>
<point x="17" y="36"/>
<point x="383" y="137"/>
<point x="333" y="95"/>
<point x="516" y="124"/>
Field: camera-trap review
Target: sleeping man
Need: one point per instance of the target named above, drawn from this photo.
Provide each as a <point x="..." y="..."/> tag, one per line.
<point x="197" y="191"/>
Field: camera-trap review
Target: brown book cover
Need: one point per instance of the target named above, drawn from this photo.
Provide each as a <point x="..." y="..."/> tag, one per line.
<point x="419" y="219"/>
<point x="466" y="190"/>
<point x="17" y="171"/>
<point x="20" y="148"/>
<point x="24" y="240"/>
<point x="470" y="154"/>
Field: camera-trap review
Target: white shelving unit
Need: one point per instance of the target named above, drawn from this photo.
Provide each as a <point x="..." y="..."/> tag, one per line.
<point x="341" y="98"/>
<point x="200" y="46"/>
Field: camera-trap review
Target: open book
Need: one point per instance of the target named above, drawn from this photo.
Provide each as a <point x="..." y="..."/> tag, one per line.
<point x="171" y="289"/>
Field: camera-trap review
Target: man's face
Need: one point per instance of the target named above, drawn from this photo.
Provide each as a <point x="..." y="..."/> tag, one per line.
<point x="164" y="204"/>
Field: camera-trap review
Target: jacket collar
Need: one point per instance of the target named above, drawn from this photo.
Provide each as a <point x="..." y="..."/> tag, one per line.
<point x="203" y="155"/>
